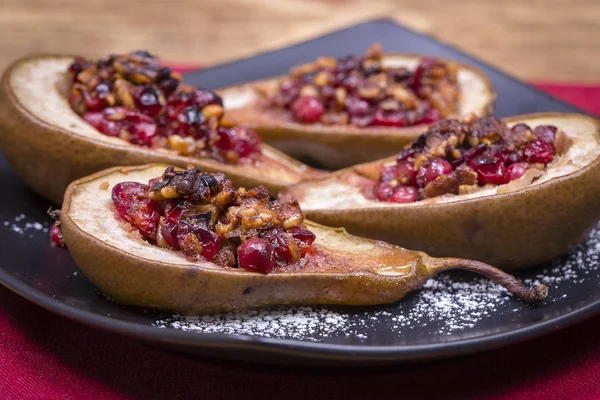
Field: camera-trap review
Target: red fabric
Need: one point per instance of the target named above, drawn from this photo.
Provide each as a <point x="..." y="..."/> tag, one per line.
<point x="43" y="356"/>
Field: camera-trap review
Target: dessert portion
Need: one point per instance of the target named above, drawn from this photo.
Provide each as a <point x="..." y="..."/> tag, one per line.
<point x="133" y="97"/>
<point x="340" y="112"/>
<point x="203" y="216"/>
<point x="460" y="157"/>
<point x="186" y="241"/>
<point x="512" y="193"/>
<point x="363" y="91"/>
<point x="76" y="116"/>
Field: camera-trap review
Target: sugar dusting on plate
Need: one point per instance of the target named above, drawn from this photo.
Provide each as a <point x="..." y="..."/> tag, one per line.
<point x="449" y="303"/>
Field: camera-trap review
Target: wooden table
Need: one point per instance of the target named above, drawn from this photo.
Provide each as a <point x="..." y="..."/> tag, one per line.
<point x="533" y="39"/>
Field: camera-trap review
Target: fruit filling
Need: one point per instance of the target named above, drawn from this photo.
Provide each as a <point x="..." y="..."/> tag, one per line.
<point x="362" y="91"/>
<point x="132" y="97"/>
<point x="203" y="216"/>
<point x="458" y="157"/>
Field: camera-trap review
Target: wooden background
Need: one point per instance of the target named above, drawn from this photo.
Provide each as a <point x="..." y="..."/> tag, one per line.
<point x="533" y="39"/>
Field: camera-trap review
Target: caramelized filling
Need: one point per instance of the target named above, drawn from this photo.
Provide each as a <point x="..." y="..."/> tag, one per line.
<point x="456" y="157"/>
<point x="132" y="97"/>
<point x="362" y="91"/>
<point x="204" y="217"/>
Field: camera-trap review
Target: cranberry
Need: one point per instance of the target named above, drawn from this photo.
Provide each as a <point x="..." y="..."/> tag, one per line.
<point x="384" y="191"/>
<point x="243" y="141"/>
<point x="194" y="230"/>
<point x="388" y="173"/>
<point x="284" y="245"/>
<point x="132" y="205"/>
<point x="515" y="171"/>
<point x="426" y="64"/>
<point x="350" y="83"/>
<point x="147" y="100"/>
<point x="289" y="90"/>
<point x="361" y="122"/>
<point x="92" y="102"/>
<point x="405" y="173"/>
<point x="197" y="97"/>
<point x="538" y="151"/>
<point x="404" y="194"/>
<point x="307" y="109"/>
<point x="140" y="127"/>
<point x="204" y="97"/>
<point x="432" y="169"/>
<point x="256" y="255"/>
<point x="393" y="119"/>
<point x="431" y="115"/>
<point x="189" y="122"/>
<point x="170" y="225"/>
<point x="102" y="89"/>
<point x="303" y="237"/>
<point x="56" y="236"/>
<point x="489" y="168"/>
<point x="474" y="152"/>
<point x="406" y="154"/>
<point x="328" y="93"/>
<point x="357" y="107"/>
<point x="545" y="133"/>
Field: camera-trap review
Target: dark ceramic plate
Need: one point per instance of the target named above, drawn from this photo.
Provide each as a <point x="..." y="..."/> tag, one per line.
<point x="424" y="326"/>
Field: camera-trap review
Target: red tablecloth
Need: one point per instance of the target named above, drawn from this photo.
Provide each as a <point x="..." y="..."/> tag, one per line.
<point x="43" y="356"/>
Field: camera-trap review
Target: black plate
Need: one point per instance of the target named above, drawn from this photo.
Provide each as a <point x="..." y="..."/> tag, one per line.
<point x="415" y="329"/>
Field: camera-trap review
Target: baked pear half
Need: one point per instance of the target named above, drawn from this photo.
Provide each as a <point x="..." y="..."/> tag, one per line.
<point x="380" y="127"/>
<point x="510" y="221"/>
<point x="339" y="268"/>
<point x="49" y="145"/>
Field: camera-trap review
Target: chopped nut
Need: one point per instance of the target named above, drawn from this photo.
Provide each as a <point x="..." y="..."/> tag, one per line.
<point x="369" y="92"/>
<point x="326" y="62"/>
<point x="374" y="51"/>
<point x="212" y="110"/>
<point x="104" y="185"/>
<point x="299" y="71"/>
<point x="389" y="105"/>
<point x="309" y="90"/>
<point x="169" y="192"/>
<point x="321" y="79"/>
<point x="340" y="95"/>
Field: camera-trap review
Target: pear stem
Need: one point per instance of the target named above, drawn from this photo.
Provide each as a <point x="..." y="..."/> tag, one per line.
<point x="534" y="294"/>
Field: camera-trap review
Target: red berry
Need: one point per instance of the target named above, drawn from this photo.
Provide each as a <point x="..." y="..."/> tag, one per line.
<point x="431" y="115"/>
<point x="545" y="133"/>
<point x="243" y="141"/>
<point x="256" y="255"/>
<point x="304" y="239"/>
<point x="539" y="151"/>
<point x="404" y="194"/>
<point x="357" y="107"/>
<point x="384" y="191"/>
<point x="515" y="171"/>
<point x="393" y="119"/>
<point x="147" y="100"/>
<point x="135" y="208"/>
<point x="426" y="64"/>
<point x="489" y="168"/>
<point x="140" y="127"/>
<point x="405" y="173"/>
<point x="431" y="170"/>
<point x="307" y="109"/>
<point x="56" y="237"/>
<point x="170" y="225"/>
<point x="194" y="230"/>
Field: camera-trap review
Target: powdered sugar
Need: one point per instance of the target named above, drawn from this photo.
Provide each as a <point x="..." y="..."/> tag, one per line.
<point x="19" y="225"/>
<point x="448" y="304"/>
